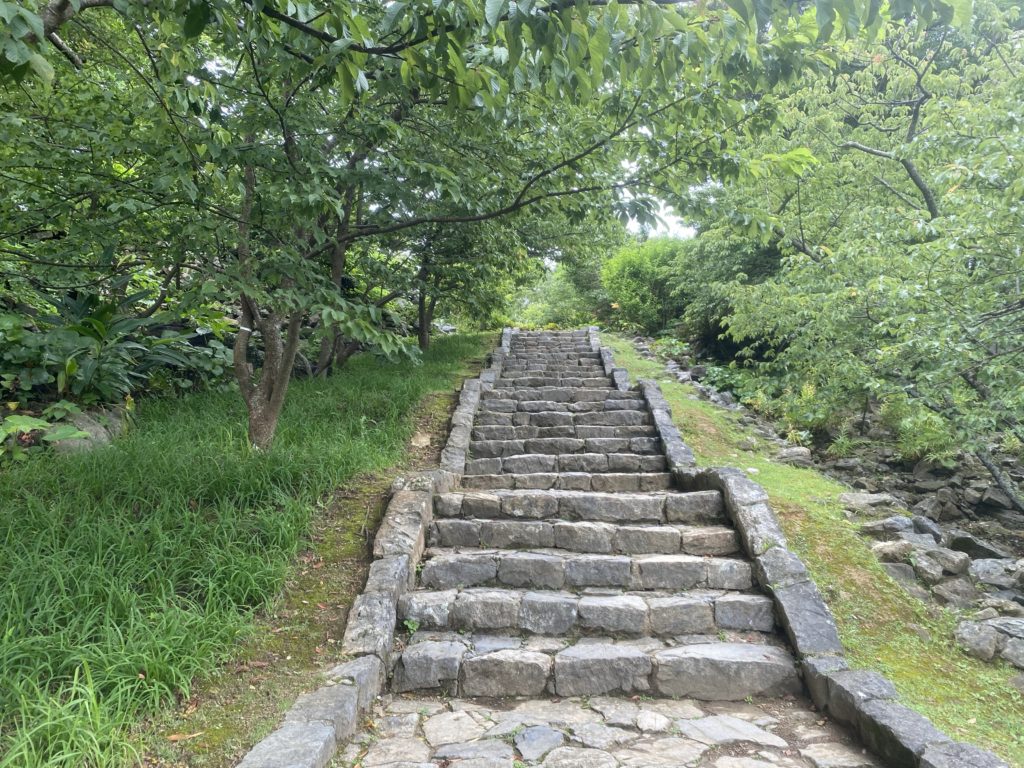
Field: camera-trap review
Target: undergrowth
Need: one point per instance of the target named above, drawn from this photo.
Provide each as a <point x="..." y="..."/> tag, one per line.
<point x="882" y="627"/>
<point x="127" y="571"/>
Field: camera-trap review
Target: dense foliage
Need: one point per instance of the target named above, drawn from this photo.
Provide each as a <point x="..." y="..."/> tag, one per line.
<point x="883" y="267"/>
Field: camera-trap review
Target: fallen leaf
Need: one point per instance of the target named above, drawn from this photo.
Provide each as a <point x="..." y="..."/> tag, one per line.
<point x="183" y="736"/>
<point x="420" y="440"/>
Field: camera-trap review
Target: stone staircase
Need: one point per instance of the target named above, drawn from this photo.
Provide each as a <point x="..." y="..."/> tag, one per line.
<point x="567" y="564"/>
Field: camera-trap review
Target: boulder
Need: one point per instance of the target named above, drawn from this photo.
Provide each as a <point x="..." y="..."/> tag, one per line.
<point x="979" y="640"/>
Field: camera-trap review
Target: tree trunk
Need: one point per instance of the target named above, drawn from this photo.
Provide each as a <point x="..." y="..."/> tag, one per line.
<point x="1001" y="479"/>
<point x="424" y="336"/>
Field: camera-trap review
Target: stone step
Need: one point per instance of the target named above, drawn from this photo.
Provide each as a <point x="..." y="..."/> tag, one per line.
<point x="508" y="405"/>
<point x="497" y="666"/>
<point x="554" y="446"/>
<point x="559" y="394"/>
<point x="622" y="614"/>
<point x="539" y="367"/>
<point x="606" y="482"/>
<point x="563" y="419"/>
<point x="559" y="569"/>
<point x="693" y="508"/>
<point x="517" y="382"/>
<point x="496" y="432"/>
<point x="584" y="537"/>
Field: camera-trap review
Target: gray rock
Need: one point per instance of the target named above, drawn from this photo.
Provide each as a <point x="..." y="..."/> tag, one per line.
<point x="457" y="533"/>
<point x="295" y="745"/>
<point x="896" y="733"/>
<point x="642" y="540"/>
<point x="483" y="749"/>
<point x="591" y="669"/>
<point x="671" y="752"/>
<point x="807" y="620"/>
<point x="451" y="728"/>
<point x="1013" y="652"/>
<point x="817" y="670"/>
<point x="536" y="741"/>
<point x="710" y="540"/>
<point x="546" y="613"/>
<point x="512" y="534"/>
<point x="597" y="570"/>
<point x="532" y="569"/>
<point x="796" y="455"/>
<point x="866" y="502"/>
<point x="901" y="572"/>
<point x="892" y="551"/>
<point x="996" y="572"/>
<point x="366" y="673"/>
<point x="431" y="664"/>
<point x="1014" y="627"/>
<point x="681" y="615"/>
<point x="725" y="671"/>
<point x="449" y="571"/>
<point x="778" y="567"/>
<point x="848" y="690"/>
<point x="392" y="576"/>
<point x="725" y="729"/>
<point x="625" y="614"/>
<point x="979" y="640"/>
<point x="370" y="628"/>
<point x="925" y="525"/>
<point x="694" y="508"/>
<point x="335" y="705"/>
<point x="835" y="755"/>
<point x="757" y="527"/>
<point x="743" y="612"/>
<point x="975" y="547"/>
<point x="957" y="755"/>
<point x="927" y="569"/>
<point x="430" y="610"/>
<point x="958" y="592"/>
<point x="584" y="536"/>
<point x="952" y="562"/>
<point x="485" y="609"/>
<point x="506" y="673"/>
<point x="573" y="757"/>
<point x="729" y="574"/>
<point x="599" y="736"/>
<point x="669" y="572"/>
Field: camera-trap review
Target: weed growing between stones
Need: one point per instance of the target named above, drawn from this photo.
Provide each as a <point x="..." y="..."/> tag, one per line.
<point x="128" y="571"/>
<point x="882" y="627"/>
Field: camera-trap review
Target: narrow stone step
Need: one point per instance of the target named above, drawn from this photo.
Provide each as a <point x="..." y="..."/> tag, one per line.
<point x="649" y="447"/>
<point x="558" y="569"/>
<point x="560" y="612"/>
<point x="496" y="666"/>
<point x="697" y="507"/>
<point x="585" y="537"/>
<point x="559" y="394"/>
<point x="606" y="482"/>
<point x="551" y="381"/>
<point x="563" y="419"/>
<point x="500" y="432"/>
<point x="508" y="405"/>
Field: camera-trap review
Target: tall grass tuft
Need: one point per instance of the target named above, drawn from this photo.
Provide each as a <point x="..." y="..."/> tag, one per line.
<point x="127" y="571"/>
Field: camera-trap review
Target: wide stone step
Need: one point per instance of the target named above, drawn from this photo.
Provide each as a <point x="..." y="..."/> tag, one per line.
<point x="497" y="432"/>
<point x="560" y="612"/>
<point x="584" y="537"/>
<point x="499" y="667"/>
<point x="559" y="394"/>
<point x="606" y="482"/>
<point x="539" y="368"/>
<point x="693" y="508"/>
<point x="518" y="382"/>
<point x="649" y="447"/>
<point x="507" y="405"/>
<point x="563" y="419"/>
<point x="558" y="569"/>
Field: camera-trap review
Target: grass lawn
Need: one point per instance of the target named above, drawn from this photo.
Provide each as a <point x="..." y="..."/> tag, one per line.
<point x="129" y="571"/>
<point x="882" y="627"/>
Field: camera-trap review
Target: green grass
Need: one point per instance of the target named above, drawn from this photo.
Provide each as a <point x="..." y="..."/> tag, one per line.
<point x="882" y="627"/>
<point x="126" y="572"/>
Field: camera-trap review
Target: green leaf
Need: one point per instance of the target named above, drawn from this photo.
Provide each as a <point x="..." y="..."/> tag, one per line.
<point x="494" y="10"/>
<point x="197" y="18"/>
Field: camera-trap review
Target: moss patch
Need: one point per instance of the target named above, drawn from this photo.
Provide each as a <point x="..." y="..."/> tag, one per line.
<point x="882" y="627"/>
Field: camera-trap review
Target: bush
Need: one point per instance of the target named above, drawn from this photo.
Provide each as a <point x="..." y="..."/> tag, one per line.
<point x="635" y="279"/>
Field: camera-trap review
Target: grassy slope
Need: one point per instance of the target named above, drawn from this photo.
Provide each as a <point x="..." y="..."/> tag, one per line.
<point x="125" y="572"/>
<point x="882" y="627"/>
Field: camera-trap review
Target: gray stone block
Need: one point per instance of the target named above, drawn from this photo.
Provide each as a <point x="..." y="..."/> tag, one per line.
<point x="584" y="536"/>
<point x="709" y="540"/>
<point x="449" y="571"/>
<point x="530" y="506"/>
<point x="506" y="673"/>
<point x="729" y="574"/>
<point x="681" y="615"/>
<point x="370" y="628"/>
<point x="616" y="483"/>
<point x="745" y="612"/>
<point x="758" y="529"/>
<point x="430" y="664"/>
<point x="817" y="670"/>
<point x="530" y="463"/>
<point x="778" y="567"/>
<point x="725" y="671"/>
<point x="485" y="609"/>
<point x="646" y="539"/>
<point x="430" y="610"/>
<point x="583" y="462"/>
<point x="457" y="533"/>
<point x="669" y="572"/>
<point x="294" y="745"/>
<point x="896" y="733"/>
<point x="848" y="690"/>
<point x="617" y="614"/>
<point x="694" y="508"/>
<point x="448" y="505"/>
<point x="392" y="576"/>
<point x="335" y="705"/>
<point x="611" y="508"/>
<point x="515" y="534"/>
<point x="482" y="505"/>
<point x="483" y="466"/>
<point x="592" y="669"/>
<point x="807" y="620"/>
<point x="547" y="613"/>
<point x="532" y="569"/>
<point x="367" y="674"/>
<point x="597" y="571"/>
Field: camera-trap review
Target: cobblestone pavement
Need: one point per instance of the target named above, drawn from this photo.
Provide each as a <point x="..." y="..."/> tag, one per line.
<point x="600" y="732"/>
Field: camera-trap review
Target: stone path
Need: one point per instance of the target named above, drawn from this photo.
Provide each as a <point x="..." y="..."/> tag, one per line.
<point x="567" y="566"/>
<point x="600" y="732"/>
